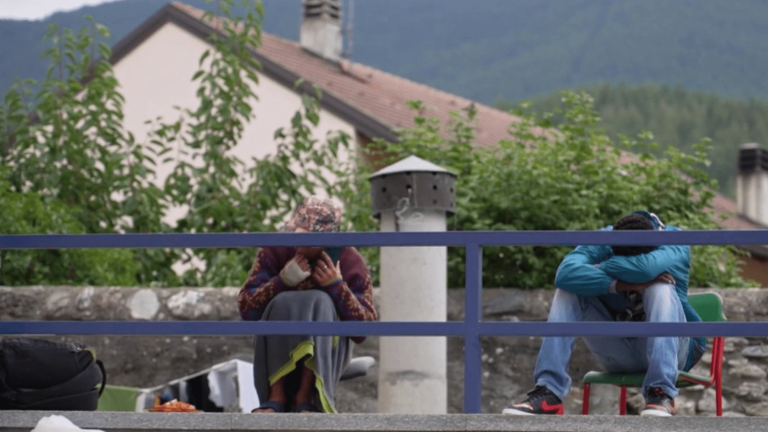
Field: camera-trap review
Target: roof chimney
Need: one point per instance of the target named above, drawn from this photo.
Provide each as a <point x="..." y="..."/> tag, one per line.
<point x="321" y="28"/>
<point x="752" y="183"/>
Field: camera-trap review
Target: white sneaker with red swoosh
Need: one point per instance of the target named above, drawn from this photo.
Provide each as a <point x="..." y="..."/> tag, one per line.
<point x="540" y="401"/>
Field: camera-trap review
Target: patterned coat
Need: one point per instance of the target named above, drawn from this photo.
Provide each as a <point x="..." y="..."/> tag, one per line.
<point x="353" y="295"/>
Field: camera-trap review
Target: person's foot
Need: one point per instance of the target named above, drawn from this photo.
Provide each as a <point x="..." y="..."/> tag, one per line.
<point x="270" y="407"/>
<point x="306" y="393"/>
<point x="307" y="407"/>
<point x="540" y="401"/>
<point x="658" y="404"/>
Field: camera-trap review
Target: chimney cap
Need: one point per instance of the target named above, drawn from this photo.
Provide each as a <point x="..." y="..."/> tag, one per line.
<point x="413" y="182"/>
<point x="411" y="164"/>
<point x="752" y="157"/>
<point x="751" y="145"/>
<point x="316" y="8"/>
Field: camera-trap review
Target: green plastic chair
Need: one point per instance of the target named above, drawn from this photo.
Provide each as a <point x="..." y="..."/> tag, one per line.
<point x="709" y="306"/>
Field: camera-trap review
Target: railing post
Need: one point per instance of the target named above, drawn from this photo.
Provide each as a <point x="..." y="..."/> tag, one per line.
<point x="473" y="372"/>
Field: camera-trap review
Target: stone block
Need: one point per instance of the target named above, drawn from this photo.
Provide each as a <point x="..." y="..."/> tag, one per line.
<point x="737" y="362"/>
<point x="758" y="409"/>
<point x="685" y="407"/>
<point x="749" y="371"/>
<point x="144" y="304"/>
<point x="737" y="341"/>
<point x="707" y="402"/>
<point x="755" y="352"/>
<point x="752" y="391"/>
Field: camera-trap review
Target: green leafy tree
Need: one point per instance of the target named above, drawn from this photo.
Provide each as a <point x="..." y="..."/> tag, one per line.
<point x="29" y="213"/>
<point x="65" y="143"/>
<point x="73" y="168"/>
<point x="67" y="147"/>
<point x="678" y="118"/>
<point x="562" y="175"/>
<point x="223" y="192"/>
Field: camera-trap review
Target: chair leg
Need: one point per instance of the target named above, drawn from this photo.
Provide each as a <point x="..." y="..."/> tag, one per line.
<point x="623" y="401"/>
<point x="719" y="394"/>
<point x="719" y="379"/>
<point x="585" y="401"/>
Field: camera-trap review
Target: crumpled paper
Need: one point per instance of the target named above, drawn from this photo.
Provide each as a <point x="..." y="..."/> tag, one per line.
<point x="58" y="423"/>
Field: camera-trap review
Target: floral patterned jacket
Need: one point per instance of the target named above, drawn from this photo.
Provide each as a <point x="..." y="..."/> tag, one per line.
<point x="353" y="295"/>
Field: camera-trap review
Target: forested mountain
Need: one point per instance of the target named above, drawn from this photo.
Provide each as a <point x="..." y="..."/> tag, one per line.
<point x="489" y="49"/>
<point x="678" y="118"/>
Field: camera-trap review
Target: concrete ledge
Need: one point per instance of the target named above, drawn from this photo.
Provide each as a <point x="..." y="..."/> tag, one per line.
<point x="18" y="421"/>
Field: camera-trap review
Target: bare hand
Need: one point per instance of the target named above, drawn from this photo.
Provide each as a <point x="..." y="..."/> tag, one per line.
<point x="662" y="278"/>
<point x="665" y="278"/>
<point x="325" y="272"/>
<point x="302" y="261"/>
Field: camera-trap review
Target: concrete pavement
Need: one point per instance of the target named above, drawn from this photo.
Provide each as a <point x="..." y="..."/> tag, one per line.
<point x="24" y="421"/>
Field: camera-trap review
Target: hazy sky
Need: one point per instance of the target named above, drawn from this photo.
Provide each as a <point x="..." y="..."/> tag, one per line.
<point x="38" y="9"/>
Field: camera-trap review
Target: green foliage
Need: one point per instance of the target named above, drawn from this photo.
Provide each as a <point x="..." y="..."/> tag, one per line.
<point x="29" y="213"/>
<point x="563" y="175"/>
<point x="678" y="118"/>
<point x="223" y="192"/>
<point x="66" y="143"/>
<point x="76" y="169"/>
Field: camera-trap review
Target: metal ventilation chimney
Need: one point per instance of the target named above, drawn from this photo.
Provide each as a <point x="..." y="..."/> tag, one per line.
<point x="409" y="196"/>
<point x="752" y="183"/>
<point x="321" y="31"/>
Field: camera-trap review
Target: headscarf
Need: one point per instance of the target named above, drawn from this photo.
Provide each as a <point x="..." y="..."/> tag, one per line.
<point x="316" y="214"/>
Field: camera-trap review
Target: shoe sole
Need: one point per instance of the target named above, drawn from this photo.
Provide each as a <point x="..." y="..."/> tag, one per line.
<point x="655" y="413"/>
<point x="512" y="411"/>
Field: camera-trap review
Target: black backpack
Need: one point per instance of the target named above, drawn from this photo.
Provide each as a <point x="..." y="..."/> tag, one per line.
<point x="43" y="375"/>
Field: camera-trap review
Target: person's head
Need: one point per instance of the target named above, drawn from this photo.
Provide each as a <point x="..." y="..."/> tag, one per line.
<point x="314" y="214"/>
<point x="640" y="220"/>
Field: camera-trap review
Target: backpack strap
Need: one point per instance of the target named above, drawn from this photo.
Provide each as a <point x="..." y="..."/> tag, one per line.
<point x="103" y="376"/>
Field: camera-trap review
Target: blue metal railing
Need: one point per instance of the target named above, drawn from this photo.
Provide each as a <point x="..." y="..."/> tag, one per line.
<point x="471" y="329"/>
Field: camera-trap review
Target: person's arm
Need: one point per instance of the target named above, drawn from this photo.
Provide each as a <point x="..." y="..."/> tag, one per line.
<point x="644" y="268"/>
<point x="263" y="284"/>
<point x="349" y="285"/>
<point x="579" y="274"/>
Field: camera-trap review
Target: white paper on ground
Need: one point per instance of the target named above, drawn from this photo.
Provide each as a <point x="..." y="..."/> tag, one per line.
<point x="231" y="383"/>
<point x="249" y="399"/>
<point x="58" y="423"/>
<point x="228" y="380"/>
<point x="222" y="390"/>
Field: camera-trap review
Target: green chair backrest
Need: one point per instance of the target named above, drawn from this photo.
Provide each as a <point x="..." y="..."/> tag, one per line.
<point x="709" y="306"/>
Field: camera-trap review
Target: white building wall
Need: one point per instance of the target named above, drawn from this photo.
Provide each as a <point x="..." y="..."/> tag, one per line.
<point x="157" y="76"/>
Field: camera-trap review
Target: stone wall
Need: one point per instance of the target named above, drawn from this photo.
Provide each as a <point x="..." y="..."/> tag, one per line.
<point x="144" y="361"/>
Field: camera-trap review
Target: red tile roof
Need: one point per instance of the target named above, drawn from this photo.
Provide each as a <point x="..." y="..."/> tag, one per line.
<point x="383" y="96"/>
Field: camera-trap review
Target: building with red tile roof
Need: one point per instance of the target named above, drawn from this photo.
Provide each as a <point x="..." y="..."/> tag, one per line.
<point x="368" y="102"/>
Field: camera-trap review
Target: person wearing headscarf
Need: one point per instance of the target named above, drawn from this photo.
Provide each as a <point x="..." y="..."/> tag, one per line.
<point x="300" y="373"/>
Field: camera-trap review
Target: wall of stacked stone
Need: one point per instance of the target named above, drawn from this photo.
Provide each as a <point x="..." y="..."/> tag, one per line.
<point x="145" y="361"/>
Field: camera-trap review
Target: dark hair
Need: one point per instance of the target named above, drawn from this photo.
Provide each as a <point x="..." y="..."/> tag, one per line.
<point x="633" y="222"/>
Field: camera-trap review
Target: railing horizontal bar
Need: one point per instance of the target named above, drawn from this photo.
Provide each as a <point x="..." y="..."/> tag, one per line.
<point x="399" y="328"/>
<point x="450" y="238"/>
<point x="624" y="329"/>
<point x="231" y="328"/>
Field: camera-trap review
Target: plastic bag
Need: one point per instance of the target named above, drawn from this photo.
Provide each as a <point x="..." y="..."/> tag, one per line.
<point x="58" y="423"/>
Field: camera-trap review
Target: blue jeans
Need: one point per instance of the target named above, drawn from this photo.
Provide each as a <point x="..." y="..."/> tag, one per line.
<point x="658" y="357"/>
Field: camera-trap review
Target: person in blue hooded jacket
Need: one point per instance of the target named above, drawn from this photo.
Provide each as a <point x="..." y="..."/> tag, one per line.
<point x="620" y="283"/>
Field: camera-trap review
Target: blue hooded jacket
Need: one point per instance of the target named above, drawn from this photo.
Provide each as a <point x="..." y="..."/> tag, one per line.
<point x="590" y="270"/>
